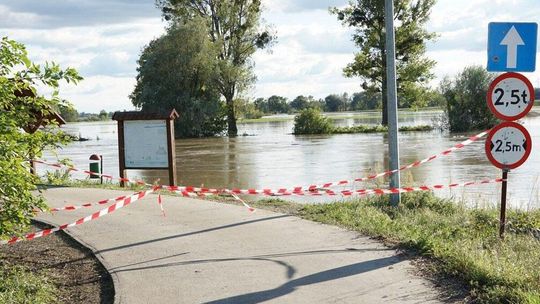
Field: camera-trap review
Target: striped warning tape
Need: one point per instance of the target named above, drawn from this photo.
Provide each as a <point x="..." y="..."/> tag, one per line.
<point x="119" y="204"/>
<point x="182" y="193"/>
<point x="202" y="193"/>
<point x="87" y="205"/>
<point x="124" y="201"/>
<point x="322" y="192"/>
<point x="297" y="189"/>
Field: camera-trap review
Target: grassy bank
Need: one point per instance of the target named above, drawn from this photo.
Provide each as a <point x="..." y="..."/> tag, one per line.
<point x="461" y="242"/>
<point x="338" y="115"/>
<point x="376" y="129"/>
<point x="19" y="285"/>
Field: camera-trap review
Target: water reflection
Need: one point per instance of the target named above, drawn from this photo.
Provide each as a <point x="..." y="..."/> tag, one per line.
<point x="271" y="157"/>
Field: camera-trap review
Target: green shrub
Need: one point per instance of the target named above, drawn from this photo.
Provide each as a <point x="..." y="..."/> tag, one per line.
<point x="311" y="121"/>
<point x="466" y="106"/>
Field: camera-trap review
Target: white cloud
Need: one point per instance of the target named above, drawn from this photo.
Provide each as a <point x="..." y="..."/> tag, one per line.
<point x="100" y="92"/>
<point x="103" y="39"/>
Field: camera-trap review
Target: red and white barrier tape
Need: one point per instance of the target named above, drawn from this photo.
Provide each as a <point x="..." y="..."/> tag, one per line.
<point x="87" y="205"/>
<point x="124" y="201"/>
<point x="171" y="189"/>
<point x="298" y="189"/>
<point x="119" y="204"/>
<point x="321" y="192"/>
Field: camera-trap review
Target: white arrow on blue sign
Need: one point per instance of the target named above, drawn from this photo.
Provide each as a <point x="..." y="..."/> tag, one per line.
<point x="512" y="46"/>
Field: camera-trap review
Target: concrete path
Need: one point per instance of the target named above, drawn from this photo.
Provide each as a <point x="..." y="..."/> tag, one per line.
<point x="206" y="252"/>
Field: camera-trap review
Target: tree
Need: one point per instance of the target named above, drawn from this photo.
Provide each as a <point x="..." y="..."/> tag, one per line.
<point x="300" y="102"/>
<point x="365" y="101"/>
<point x="465" y="96"/>
<point x="177" y="71"/>
<point x="233" y="27"/>
<point x="335" y="103"/>
<point x="68" y="112"/>
<point x="413" y="69"/>
<point x="246" y="109"/>
<point x="21" y="107"/>
<point x="261" y="105"/>
<point x="103" y="115"/>
<point x="278" y="104"/>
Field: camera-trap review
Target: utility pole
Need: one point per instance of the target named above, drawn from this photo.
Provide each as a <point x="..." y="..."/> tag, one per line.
<point x="391" y="92"/>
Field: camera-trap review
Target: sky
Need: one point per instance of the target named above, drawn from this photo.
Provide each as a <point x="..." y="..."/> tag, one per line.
<point x="103" y="40"/>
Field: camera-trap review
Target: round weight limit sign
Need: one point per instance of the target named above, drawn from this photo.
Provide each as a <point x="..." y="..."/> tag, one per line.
<point x="508" y="145"/>
<point x="510" y="96"/>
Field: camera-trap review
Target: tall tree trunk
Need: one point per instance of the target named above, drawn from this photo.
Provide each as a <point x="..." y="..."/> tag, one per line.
<point x="231" y="117"/>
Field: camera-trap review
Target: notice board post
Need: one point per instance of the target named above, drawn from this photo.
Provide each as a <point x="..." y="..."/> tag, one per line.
<point x="146" y="142"/>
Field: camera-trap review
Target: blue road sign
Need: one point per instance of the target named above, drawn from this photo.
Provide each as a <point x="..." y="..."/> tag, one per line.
<point x="512" y="46"/>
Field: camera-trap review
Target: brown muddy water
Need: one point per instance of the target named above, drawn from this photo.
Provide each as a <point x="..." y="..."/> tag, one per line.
<point x="269" y="156"/>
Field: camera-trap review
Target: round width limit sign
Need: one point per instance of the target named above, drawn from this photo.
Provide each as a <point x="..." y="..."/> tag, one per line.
<point x="510" y="96"/>
<point x="508" y="145"/>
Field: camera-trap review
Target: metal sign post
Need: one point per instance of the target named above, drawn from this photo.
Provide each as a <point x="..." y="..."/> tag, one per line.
<point x="391" y="92"/>
<point x="508" y="146"/>
<point x="511" y="48"/>
<point x="502" y="221"/>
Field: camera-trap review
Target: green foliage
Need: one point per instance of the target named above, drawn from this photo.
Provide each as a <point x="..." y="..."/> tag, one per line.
<point x="22" y="107"/>
<point x="18" y="285"/>
<point x="273" y="105"/>
<point x="336" y="103"/>
<point x="177" y="71"/>
<point x="300" y="102"/>
<point x="359" y="129"/>
<point x="416" y="128"/>
<point x="462" y="241"/>
<point x="465" y="96"/>
<point x="377" y="129"/>
<point x="413" y="68"/>
<point x="246" y="109"/>
<point x="103" y="115"/>
<point x="278" y="104"/>
<point x="365" y="101"/>
<point x="68" y="112"/>
<point x="233" y="27"/>
<point x="311" y="121"/>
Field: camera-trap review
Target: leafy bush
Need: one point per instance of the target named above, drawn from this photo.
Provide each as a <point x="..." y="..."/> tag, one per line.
<point x="21" y="107"/>
<point x="465" y="96"/>
<point x="311" y="121"/>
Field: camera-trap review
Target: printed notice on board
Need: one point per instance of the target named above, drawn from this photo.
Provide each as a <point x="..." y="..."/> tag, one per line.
<point x="145" y="143"/>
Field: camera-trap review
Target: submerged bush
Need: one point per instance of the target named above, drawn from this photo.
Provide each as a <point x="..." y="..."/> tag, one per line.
<point x="465" y="96"/>
<point x="311" y="121"/>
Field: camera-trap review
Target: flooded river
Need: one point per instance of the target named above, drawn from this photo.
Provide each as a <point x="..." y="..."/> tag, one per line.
<point x="269" y="156"/>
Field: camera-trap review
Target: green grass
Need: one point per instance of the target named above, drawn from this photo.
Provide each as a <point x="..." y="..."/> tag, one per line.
<point x="415" y="128"/>
<point x="462" y="242"/>
<point x="337" y="115"/>
<point x="18" y="285"/>
<point x="376" y="129"/>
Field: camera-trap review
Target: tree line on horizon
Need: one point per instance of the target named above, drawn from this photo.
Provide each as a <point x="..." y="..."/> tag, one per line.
<point x="359" y="101"/>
